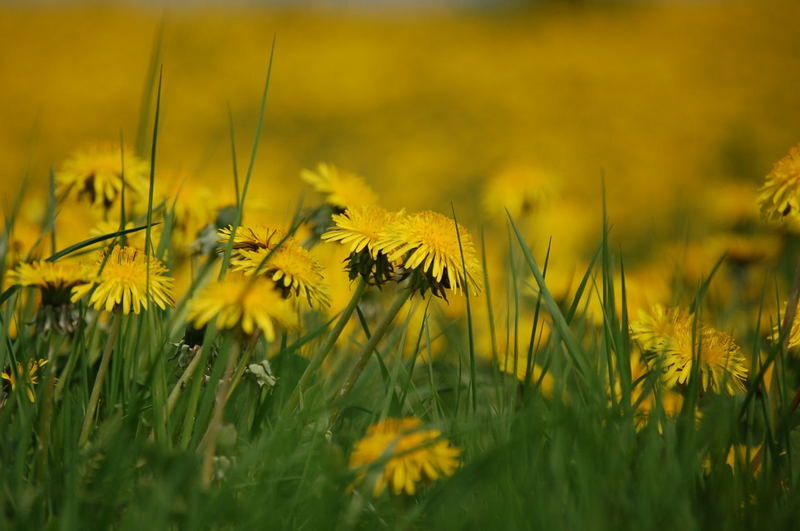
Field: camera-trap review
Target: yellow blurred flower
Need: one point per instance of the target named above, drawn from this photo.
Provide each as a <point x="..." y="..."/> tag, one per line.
<point x="341" y="189"/>
<point x="428" y="242"/>
<point x="29" y="376"/>
<point x="520" y="190"/>
<point x="127" y="279"/>
<point x="250" y="238"/>
<point x="779" y="196"/>
<point x="411" y="454"/>
<point x="95" y="174"/>
<point x="245" y="303"/>
<point x="668" y="336"/>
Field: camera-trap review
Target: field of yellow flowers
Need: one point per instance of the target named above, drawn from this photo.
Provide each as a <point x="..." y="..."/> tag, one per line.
<point x="500" y="267"/>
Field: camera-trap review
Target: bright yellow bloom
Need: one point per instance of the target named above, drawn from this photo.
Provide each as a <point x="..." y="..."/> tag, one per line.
<point x="779" y="196"/>
<point x="240" y="302"/>
<point x="342" y="189"/>
<point x="411" y="455"/>
<point x="655" y="329"/>
<point x="250" y="238"/>
<point x="428" y="241"/>
<point x="669" y="337"/>
<point x="50" y="276"/>
<point x="29" y="376"/>
<point x="122" y="282"/>
<point x="133" y="239"/>
<point x="95" y="173"/>
<point x="270" y="252"/>
<point x="191" y="204"/>
<point x="361" y="227"/>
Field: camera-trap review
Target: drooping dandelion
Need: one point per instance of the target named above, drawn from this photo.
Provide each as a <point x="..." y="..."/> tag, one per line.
<point x="55" y="281"/>
<point x="406" y="453"/>
<point x="779" y="196"/>
<point x="95" y="175"/>
<point x="28" y="377"/>
<point x="673" y="341"/>
<point x="428" y="243"/>
<point x="361" y="227"/>
<point x="127" y="279"/>
<point x="242" y="303"/>
<point x="341" y="188"/>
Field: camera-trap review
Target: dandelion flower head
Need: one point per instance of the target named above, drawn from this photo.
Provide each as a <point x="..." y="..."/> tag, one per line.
<point x="242" y="303"/>
<point x="341" y="188"/>
<point x="411" y="455"/>
<point x="95" y="174"/>
<point x="127" y="279"/>
<point x="779" y="196"/>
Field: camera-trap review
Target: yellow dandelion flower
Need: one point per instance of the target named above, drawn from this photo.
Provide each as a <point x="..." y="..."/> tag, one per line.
<point x="293" y="269"/>
<point x="342" y="189"/>
<point x="361" y="227"/>
<point x="251" y="238"/>
<point x="133" y="239"/>
<point x="779" y="196"/>
<point x="245" y="303"/>
<point x="793" y="341"/>
<point x="669" y="337"/>
<point x="122" y="282"/>
<point x="411" y="455"/>
<point x="191" y="204"/>
<point x="428" y="242"/>
<point x="95" y="173"/>
<point x="655" y="329"/>
<point x="50" y="276"/>
<point x="29" y="376"/>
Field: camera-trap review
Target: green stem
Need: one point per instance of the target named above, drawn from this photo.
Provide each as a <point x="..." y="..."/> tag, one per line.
<point x="187" y="373"/>
<point x="325" y="349"/>
<point x="366" y="350"/>
<point x="98" y="382"/>
<point x="208" y="445"/>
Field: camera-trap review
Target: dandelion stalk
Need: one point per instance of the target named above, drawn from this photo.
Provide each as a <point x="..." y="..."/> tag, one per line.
<point x="208" y="445"/>
<point x="325" y="349"/>
<point x="366" y="350"/>
<point x="98" y="382"/>
<point x="181" y="383"/>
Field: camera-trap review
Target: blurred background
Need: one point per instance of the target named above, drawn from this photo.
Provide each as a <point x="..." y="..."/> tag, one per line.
<point x="682" y="106"/>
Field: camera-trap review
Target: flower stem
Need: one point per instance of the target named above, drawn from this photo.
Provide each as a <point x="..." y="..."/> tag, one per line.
<point x="187" y="373"/>
<point x="325" y="349"/>
<point x="98" y="382"/>
<point x="208" y="445"/>
<point x="369" y="346"/>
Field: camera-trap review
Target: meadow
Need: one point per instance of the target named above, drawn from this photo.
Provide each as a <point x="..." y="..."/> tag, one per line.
<point x="501" y="267"/>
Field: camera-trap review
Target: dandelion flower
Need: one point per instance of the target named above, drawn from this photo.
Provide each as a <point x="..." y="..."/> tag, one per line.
<point x="793" y="341"/>
<point x="361" y="228"/>
<point x="671" y="339"/>
<point x="428" y="243"/>
<point x="245" y="303"/>
<point x="122" y="282"/>
<point x="250" y="238"/>
<point x="342" y="189"/>
<point x="655" y="329"/>
<point x="779" y="196"/>
<point x="29" y="376"/>
<point x="411" y="455"/>
<point x="54" y="279"/>
<point x="191" y="205"/>
<point x="281" y="258"/>
<point x="95" y="173"/>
